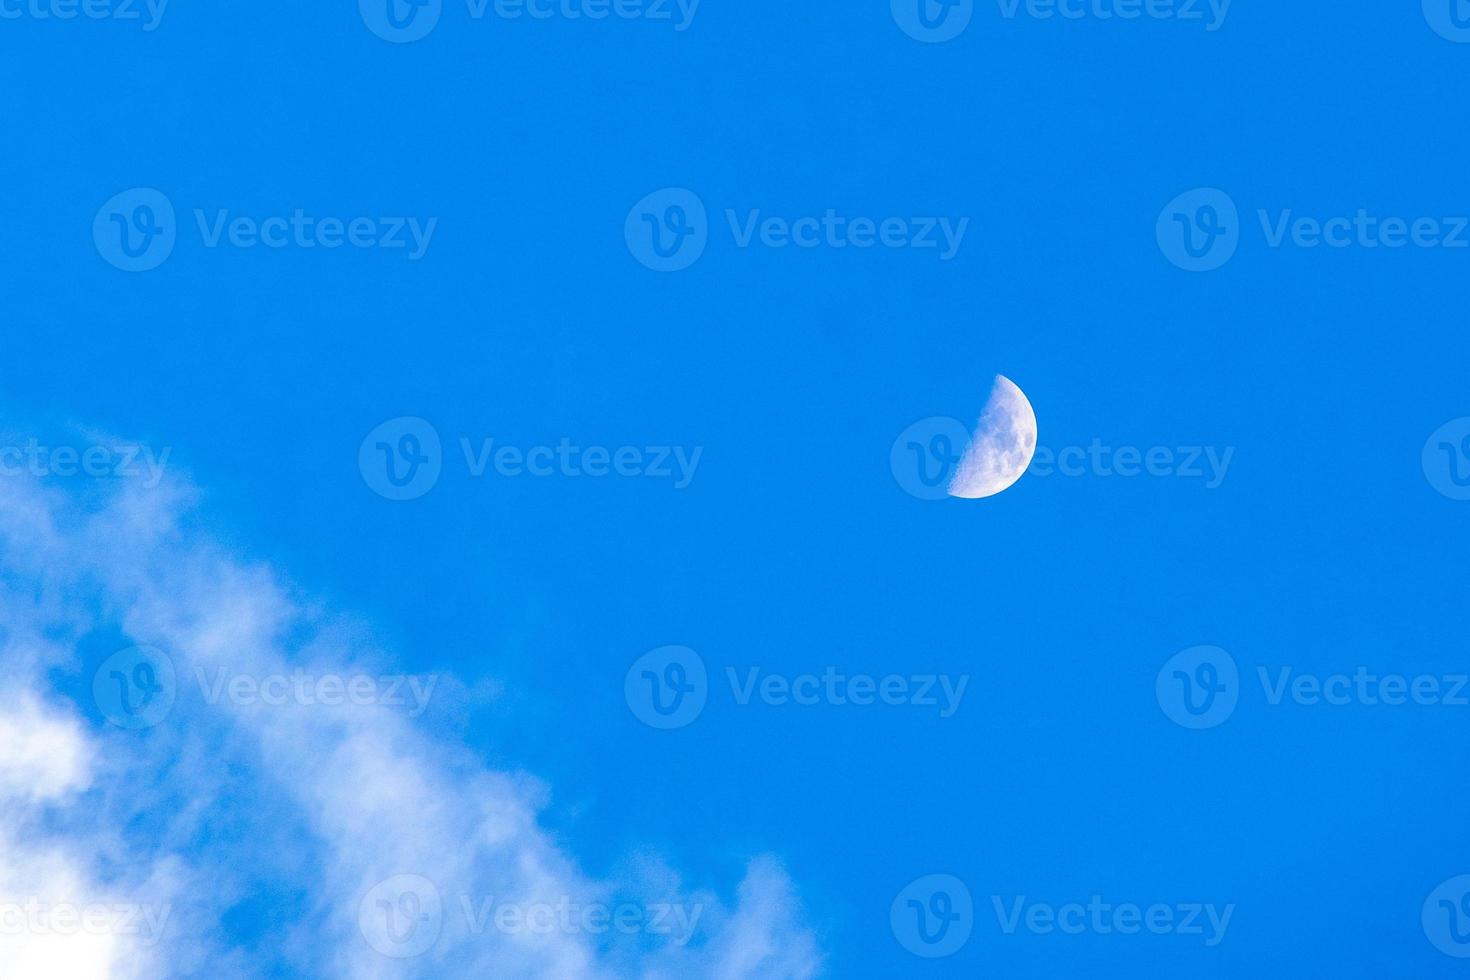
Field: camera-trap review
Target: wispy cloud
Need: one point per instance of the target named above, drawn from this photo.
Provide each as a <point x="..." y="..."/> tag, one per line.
<point x="361" y="843"/>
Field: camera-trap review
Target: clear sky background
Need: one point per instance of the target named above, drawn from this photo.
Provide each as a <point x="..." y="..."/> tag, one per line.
<point x="794" y="548"/>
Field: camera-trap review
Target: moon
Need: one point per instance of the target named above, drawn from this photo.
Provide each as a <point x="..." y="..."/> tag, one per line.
<point x="1002" y="446"/>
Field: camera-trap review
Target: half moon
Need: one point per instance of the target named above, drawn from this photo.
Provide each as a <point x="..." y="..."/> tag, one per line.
<point x="1002" y="446"/>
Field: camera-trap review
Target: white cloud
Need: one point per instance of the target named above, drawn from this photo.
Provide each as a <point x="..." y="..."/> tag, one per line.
<point x="58" y="920"/>
<point x="310" y="805"/>
<point x="46" y="755"/>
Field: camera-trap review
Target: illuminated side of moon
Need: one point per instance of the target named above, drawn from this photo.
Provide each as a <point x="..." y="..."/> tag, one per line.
<point x="1002" y="447"/>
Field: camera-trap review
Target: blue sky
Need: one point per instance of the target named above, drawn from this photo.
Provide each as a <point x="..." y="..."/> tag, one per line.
<point x="1303" y="383"/>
